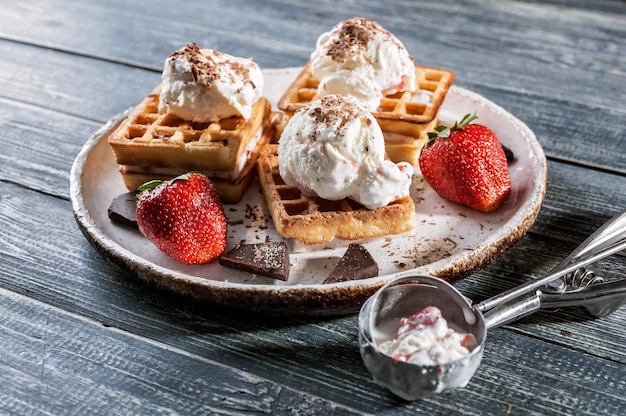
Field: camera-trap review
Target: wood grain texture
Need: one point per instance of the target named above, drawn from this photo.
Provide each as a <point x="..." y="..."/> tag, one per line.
<point x="287" y="351"/>
<point x="77" y="366"/>
<point x="79" y="336"/>
<point x="547" y="43"/>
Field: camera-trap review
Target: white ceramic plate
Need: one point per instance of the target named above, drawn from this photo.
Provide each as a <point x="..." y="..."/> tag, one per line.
<point x="449" y="241"/>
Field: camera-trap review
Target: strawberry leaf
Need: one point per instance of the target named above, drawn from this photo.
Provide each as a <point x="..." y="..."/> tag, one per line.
<point x="467" y="119"/>
<point x="149" y="185"/>
<point x="445" y="131"/>
<point x="156" y="182"/>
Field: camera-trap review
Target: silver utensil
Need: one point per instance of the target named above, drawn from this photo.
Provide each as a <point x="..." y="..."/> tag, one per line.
<point x="568" y="284"/>
<point x="609" y="239"/>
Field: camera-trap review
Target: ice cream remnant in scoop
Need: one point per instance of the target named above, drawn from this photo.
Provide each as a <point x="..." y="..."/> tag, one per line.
<point x="360" y="58"/>
<point x="204" y="85"/>
<point x="424" y="338"/>
<point x="334" y="148"/>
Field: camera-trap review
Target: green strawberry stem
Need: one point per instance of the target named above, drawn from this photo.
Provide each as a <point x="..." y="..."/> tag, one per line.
<point x="445" y="131"/>
<point x="156" y="182"/>
<point x="149" y="185"/>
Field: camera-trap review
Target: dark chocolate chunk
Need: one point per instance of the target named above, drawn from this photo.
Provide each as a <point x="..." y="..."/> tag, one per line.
<point x="356" y="263"/>
<point x="269" y="259"/>
<point x="123" y="209"/>
<point x="510" y="156"/>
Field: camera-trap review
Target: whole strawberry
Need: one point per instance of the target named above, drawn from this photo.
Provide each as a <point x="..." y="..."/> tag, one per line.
<point x="466" y="164"/>
<point x="183" y="218"/>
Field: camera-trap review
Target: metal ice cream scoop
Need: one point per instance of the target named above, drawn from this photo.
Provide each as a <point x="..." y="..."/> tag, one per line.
<point x="568" y="284"/>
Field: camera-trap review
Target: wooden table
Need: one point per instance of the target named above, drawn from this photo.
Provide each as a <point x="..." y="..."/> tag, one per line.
<point x="80" y="336"/>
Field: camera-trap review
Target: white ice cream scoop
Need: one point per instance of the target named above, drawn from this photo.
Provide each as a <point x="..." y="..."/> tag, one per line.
<point x="334" y="148"/>
<point x="360" y="58"/>
<point x="204" y="85"/>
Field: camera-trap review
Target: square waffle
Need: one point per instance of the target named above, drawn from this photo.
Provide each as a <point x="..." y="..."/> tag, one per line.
<point x="313" y="220"/>
<point x="405" y="117"/>
<point x="148" y="145"/>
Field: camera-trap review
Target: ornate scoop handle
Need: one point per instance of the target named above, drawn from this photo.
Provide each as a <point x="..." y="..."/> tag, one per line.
<point x="584" y="288"/>
<point x="609" y="239"/>
<point x="572" y="282"/>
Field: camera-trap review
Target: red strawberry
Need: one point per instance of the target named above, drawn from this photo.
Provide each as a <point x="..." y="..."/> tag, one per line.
<point x="183" y="218"/>
<point x="466" y="164"/>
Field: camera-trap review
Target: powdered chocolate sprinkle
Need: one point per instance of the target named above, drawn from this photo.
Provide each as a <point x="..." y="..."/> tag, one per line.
<point x="204" y="70"/>
<point x="334" y="110"/>
<point x="268" y="259"/>
<point x="353" y="35"/>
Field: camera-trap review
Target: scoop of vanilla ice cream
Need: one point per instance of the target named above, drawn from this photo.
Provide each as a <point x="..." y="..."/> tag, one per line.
<point x="360" y="58"/>
<point x="334" y="148"/>
<point x="205" y="85"/>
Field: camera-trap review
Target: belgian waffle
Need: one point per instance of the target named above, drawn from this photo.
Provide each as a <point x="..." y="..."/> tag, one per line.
<point x="148" y="145"/>
<point x="313" y="220"/>
<point x="404" y="117"/>
<point x="230" y="190"/>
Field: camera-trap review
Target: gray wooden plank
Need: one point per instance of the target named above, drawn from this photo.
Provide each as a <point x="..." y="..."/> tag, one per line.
<point x="568" y="129"/>
<point x="481" y="41"/>
<point x="55" y="363"/>
<point x="560" y="384"/>
<point x="75" y="85"/>
<point x="140" y="34"/>
<point x="39" y="146"/>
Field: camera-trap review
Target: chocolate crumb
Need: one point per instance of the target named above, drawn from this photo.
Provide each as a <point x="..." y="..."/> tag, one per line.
<point x="353" y="36"/>
<point x="206" y="65"/>
<point x="334" y="110"/>
<point x="510" y="156"/>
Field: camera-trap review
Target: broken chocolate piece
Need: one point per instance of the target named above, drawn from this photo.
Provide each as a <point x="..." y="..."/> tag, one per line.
<point x="123" y="209"/>
<point x="269" y="259"/>
<point x="356" y="263"/>
<point x="510" y="157"/>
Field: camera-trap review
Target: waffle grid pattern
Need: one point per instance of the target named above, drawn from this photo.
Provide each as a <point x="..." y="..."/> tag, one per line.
<point x="399" y="106"/>
<point x="315" y="220"/>
<point x="147" y="138"/>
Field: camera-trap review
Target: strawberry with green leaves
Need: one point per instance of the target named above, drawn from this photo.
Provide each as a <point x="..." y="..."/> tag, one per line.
<point x="183" y="218"/>
<point x="466" y="164"/>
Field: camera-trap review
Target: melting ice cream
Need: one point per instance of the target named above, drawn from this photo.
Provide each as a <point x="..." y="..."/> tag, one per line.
<point x="425" y="339"/>
<point x="334" y="148"/>
<point x="360" y="58"/>
<point x="204" y="85"/>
